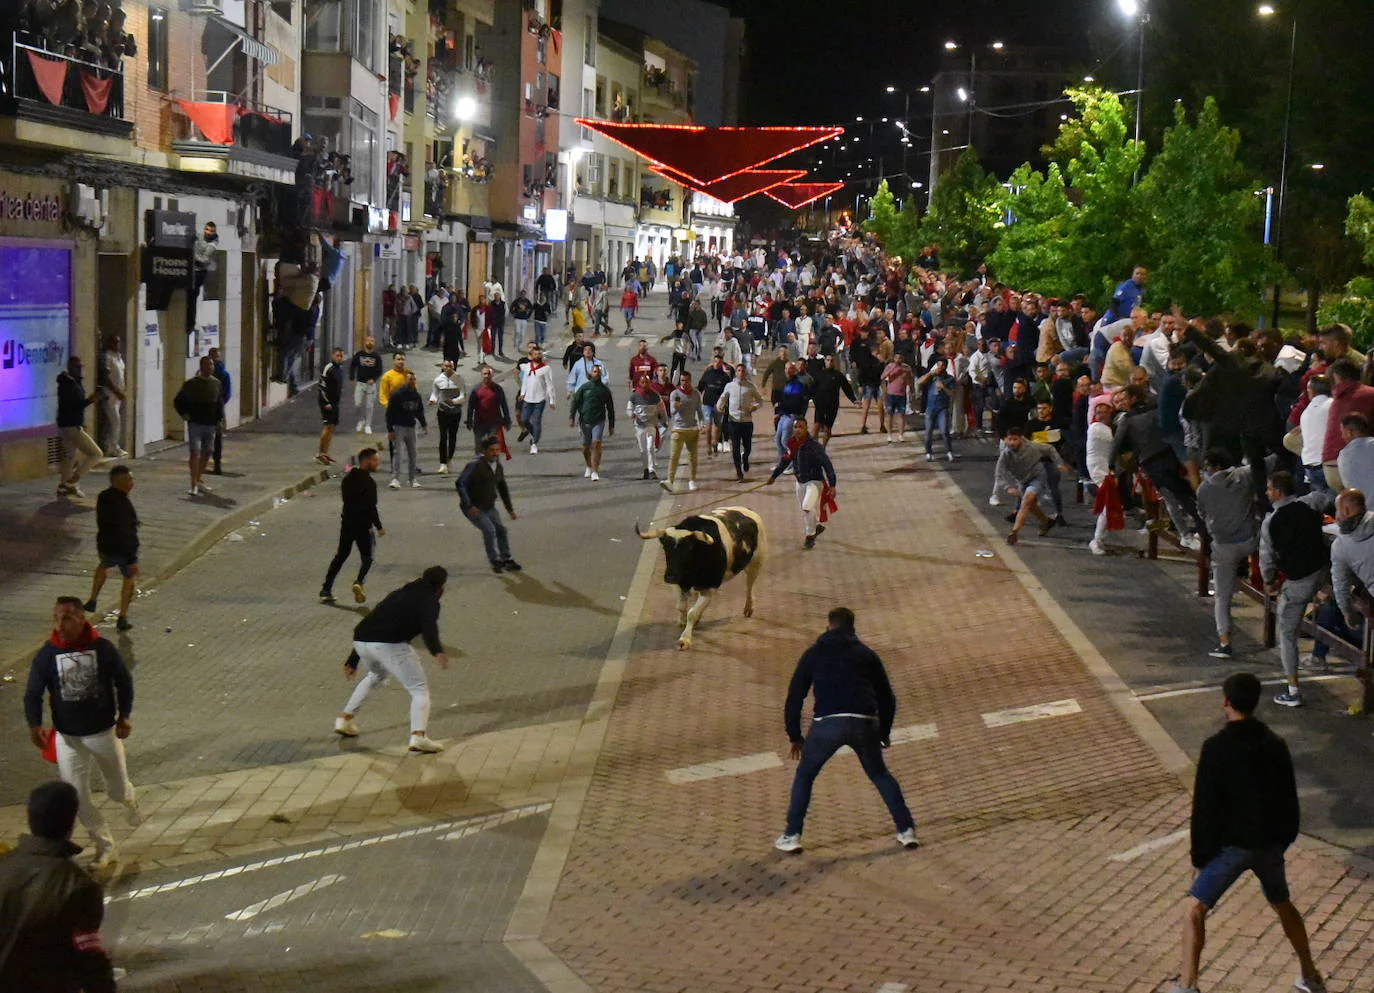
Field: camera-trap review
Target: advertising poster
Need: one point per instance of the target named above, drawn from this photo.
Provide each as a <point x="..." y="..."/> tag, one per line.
<point x="35" y="332"/>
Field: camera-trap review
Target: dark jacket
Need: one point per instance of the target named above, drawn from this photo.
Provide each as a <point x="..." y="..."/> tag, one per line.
<point x="359" y="492"/>
<point x="1291" y="539"/>
<point x="813" y="463"/>
<point x="593" y="404"/>
<point x="116" y="524"/>
<point x="1139" y="432"/>
<point x="795" y="397"/>
<point x="848" y="678"/>
<point x="1237" y="392"/>
<point x="830" y="383"/>
<point x="50" y="916"/>
<point x="1245" y="793"/>
<point x="487" y="407"/>
<point x="331" y="386"/>
<point x="87" y="683"/>
<point x="713" y="382"/>
<point x="404" y="613"/>
<point x="201" y="400"/>
<point x="480" y="483"/>
<point x="71" y="401"/>
<point x="405" y="409"/>
<point x="366" y="367"/>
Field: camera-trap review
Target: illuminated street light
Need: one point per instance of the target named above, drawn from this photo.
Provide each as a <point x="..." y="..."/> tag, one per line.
<point x="1266" y="10"/>
<point x="963" y="94"/>
<point x="465" y="108"/>
<point x="1089" y="79"/>
<point x="951" y="46"/>
<point x="925" y="89"/>
<point x="1319" y="166"/>
<point x="860" y="119"/>
<point x="1129" y="8"/>
<point x="892" y="89"/>
<point x="998" y="45"/>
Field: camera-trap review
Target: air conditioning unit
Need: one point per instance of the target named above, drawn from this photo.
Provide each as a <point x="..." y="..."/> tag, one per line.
<point x="88" y="205"/>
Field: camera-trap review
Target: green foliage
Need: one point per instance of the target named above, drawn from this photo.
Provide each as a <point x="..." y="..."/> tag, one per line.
<point x="1359" y="224"/>
<point x="964" y="218"/>
<point x="1200" y="219"/>
<point x="1355" y="308"/>
<point x="883" y="219"/>
<point x="1035" y="250"/>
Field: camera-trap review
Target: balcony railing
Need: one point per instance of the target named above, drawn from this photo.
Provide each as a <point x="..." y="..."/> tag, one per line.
<point x="41" y="78"/>
<point x="217" y="117"/>
<point x="651" y="199"/>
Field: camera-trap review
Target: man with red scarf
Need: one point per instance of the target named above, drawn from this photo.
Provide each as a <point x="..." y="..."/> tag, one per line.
<point x="91" y="695"/>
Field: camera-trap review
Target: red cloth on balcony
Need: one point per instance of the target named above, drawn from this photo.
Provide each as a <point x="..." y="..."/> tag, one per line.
<point x="96" y="91"/>
<point x="393" y="103"/>
<point x="51" y="76"/>
<point x="215" y="120"/>
<point x="271" y="119"/>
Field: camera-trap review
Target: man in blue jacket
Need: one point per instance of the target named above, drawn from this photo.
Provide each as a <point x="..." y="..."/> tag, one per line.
<point x="91" y="695"/>
<point x="813" y="470"/>
<point x="854" y="706"/>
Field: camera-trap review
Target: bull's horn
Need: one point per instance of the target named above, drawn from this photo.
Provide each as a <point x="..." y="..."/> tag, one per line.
<point x="703" y="537"/>
<point x="647" y="535"/>
<point x="678" y="534"/>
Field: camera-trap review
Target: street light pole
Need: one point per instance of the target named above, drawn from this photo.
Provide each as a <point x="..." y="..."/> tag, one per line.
<point x="1283" y="166"/>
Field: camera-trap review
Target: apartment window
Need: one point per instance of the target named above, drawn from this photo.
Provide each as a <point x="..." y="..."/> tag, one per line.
<point x="613" y="178"/>
<point x="588" y="108"/>
<point x="589" y="39"/>
<point x="469" y="52"/>
<point x="365" y="33"/>
<point x="362" y="149"/>
<point x="596" y="168"/>
<point x="600" y="96"/>
<point x="157" y="48"/>
<point x="324" y="27"/>
<point x="541" y="50"/>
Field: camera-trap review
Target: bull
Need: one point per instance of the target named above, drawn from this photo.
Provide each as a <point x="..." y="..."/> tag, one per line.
<point x="703" y="552"/>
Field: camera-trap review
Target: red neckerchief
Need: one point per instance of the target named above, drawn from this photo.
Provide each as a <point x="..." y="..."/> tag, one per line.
<point x="86" y="639"/>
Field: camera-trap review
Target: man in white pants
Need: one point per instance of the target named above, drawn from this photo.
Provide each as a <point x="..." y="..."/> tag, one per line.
<point x="381" y="646"/>
<point x="813" y="470"/>
<point x="91" y="695"/>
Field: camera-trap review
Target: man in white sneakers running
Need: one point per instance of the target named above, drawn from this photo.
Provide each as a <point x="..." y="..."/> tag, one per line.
<point x="381" y="645"/>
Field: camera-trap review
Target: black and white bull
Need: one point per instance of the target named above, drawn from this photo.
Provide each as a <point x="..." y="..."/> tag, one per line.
<point x="706" y="550"/>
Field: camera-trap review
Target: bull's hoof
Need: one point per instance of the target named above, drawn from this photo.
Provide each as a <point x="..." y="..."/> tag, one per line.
<point x="683" y="645"/>
<point x="749" y="610"/>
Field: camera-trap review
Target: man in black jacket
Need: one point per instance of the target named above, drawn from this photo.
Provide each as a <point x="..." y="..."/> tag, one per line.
<point x="1292" y="543"/>
<point x="356" y="522"/>
<point x="79" y="449"/>
<point x="480" y="483"/>
<point x="854" y="706"/>
<point x="50" y="908"/>
<point x="1139" y="432"/>
<point x="331" y="402"/>
<point x="404" y="409"/>
<point x="116" y="541"/>
<point x="201" y="402"/>
<point x="91" y="695"/>
<point x="1245" y="815"/>
<point x="364" y="371"/>
<point x="381" y="643"/>
<point x="829" y="384"/>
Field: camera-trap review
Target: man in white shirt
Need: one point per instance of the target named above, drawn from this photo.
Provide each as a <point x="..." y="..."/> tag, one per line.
<point x="447" y="394"/>
<point x="1312" y="427"/>
<point x="536" y="393"/>
<point x="436" y="304"/>
<point x="112" y="399"/>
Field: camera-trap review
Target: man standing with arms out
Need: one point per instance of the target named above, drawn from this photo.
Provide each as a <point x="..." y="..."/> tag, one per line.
<point x="404" y="410"/>
<point x="714" y="378"/>
<point x="331" y="402"/>
<point x="78" y="449"/>
<point x="479" y="485"/>
<point x="356" y="522"/>
<point x="447" y="393"/>
<point x="488" y="412"/>
<point x="50" y="908"/>
<point x="112" y="398"/>
<point x="1245" y="815"/>
<point x="201" y="402"/>
<point x="813" y="470"/>
<point x="536" y="394"/>
<point x="521" y="309"/>
<point x="646" y="412"/>
<point x="1226" y="504"/>
<point x="381" y="645"/>
<point x="91" y="694"/>
<point x="116" y="541"/>
<point x="854" y="706"/>
<point x="684" y="411"/>
<point x="641" y="364"/>
<point x="1291" y="542"/>
<point x="593" y="407"/>
<point x="365" y="370"/>
<point x="226" y="384"/>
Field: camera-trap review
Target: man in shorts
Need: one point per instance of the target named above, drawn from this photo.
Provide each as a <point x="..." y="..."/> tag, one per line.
<point x="1245" y="815"/>
<point x="594" y="408"/>
<point x="116" y="541"/>
<point x="201" y="402"/>
<point x="331" y="401"/>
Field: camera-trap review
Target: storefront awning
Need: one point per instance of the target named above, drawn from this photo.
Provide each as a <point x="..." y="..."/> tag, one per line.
<point x="252" y="48"/>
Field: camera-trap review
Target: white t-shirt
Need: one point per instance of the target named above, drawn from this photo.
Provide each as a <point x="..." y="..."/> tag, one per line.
<point x="1313" y="425"/>
<point x="1099" y="452"/>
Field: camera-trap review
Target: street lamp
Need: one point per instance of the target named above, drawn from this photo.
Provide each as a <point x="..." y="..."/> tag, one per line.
<point x="1266" y="10"/>
<point x="1134" y="10"/>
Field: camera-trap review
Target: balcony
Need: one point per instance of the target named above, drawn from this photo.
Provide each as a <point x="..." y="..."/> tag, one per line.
<point x="44" y="92"/>
<point x="220" y="132"/>
<point x="659" y="86"/>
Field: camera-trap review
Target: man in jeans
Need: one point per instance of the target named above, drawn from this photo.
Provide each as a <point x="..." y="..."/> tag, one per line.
<point x="91" y="695"/>
<point x="481" y="482"/>
<point x="1226" y="503"/>
<point x="1292" y="543"/>
<point x="854" y="706"/>
<point x="537" y="392"/>
<point x="1245" y="815"/>
<point x="79" y="450"/>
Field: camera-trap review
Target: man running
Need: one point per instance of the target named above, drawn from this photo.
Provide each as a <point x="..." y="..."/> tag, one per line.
<point x="648" y="414"/>
<point x="488" y="412"/>
<point x="812" y="470"/>
<point x="381" y="645"/>
<point x="447" y="395"/>
<point x="537" y="394"/>
<point x="593" y="407"/>
<point x="714" y="378"/>
<point x="365" y="370"/>
<point x="1021" y="473"/>
<point x="357" y="519"/>
<point x="479" y="485"/>
<point x="331" y="401"/>
<point x="116" y="542"/>
<point x="830" y="383"/>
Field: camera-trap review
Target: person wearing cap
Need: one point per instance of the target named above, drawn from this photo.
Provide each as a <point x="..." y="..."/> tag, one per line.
<point x="91" y="695"/>
<point x="50" y="908"/>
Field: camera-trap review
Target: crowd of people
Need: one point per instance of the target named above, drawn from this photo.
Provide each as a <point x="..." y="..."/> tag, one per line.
<point x="89" y="30"/>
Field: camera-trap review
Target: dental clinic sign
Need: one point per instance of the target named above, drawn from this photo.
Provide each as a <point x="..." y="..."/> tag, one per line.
<point x="35" y="332"/>
<point x="30" y="207"/>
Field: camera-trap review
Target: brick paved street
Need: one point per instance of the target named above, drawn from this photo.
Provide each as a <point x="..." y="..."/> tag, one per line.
<point x="550" y="848"/>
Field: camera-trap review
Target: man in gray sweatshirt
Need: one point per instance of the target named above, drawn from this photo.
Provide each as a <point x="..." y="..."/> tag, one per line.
<point x="1352" y="578"/>
<point x="1022" y="473"/>
<point x="1226" y="504"/>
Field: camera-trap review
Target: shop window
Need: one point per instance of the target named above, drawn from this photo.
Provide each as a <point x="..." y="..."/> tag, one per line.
<point x="157" y="48"/>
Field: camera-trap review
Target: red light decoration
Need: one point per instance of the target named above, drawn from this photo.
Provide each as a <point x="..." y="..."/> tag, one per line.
<point x="737" y="187"/>
<point x="708" y="155"/>
<point x="798" y="195"/>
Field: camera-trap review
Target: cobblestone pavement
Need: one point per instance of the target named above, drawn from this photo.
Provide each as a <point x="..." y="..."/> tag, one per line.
<point x="585" y="830"/>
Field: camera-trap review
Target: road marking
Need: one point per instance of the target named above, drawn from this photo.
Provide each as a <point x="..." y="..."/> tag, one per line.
<point x="1146" y="847"/>
<point x="272" y="903"/>
<point x="491" y="821"/>
<point x="312" y="853"/>
<point x="623" y="343"/>
<point x="893" y="988"/>
<point x="1210" y="688"/>
<point x="772" y="760"/>
<point x="1019" y="715"/>
<point x="724" y="767"/>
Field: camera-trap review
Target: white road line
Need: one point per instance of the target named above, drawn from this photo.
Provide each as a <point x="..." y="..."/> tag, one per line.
<point x="491" y="821"/>
<point x="1019" y="715"/>
<point x="1194" y="690"/>
<point x="312" y="853"/>
<point x="272" y="903"/>
<point x="1146" y="847"/>
<point x="623" y="342"/>
<point x="893" y="988"/>
<point x="772" y="760"/>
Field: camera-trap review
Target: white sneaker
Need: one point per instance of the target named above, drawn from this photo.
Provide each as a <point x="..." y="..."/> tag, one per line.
<point x="930" y="457"/>
<point x="789" y="843"/>
<point x="443" y="468"/>
<point x="345" y="727"/>
<point x="907" y="838"/>
<point x="1313" y="985"/>
<point x="424" y="743"/>
<point x="190" y="491"/>
<point x="359" y="428"/>
<point x="75" y="489"/>
<point x="395" y="484"/>
<point x="889" y="439"/>
<point x="367" y="429"/>
<point x="994" y="501"/>
<point x="950" y="456"/>
<point x="1191" y="542"/>
<point x="132" y="813"/>
<point x="587" y="473"/>
<point x="534" y="449"/>
<point x="691" y="486"/>
<point x="901" y="439"/>
<point x="203" y="488"/>
<point x="1096" y="547"/>
<point x="596" y="476"/>
<point x="414" y="484"/>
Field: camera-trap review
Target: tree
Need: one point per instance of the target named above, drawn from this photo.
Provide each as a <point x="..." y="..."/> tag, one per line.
<point x="884" y="220"/>
<point x="1033" y="251"/>
<point x="1356" y="305"/>
<point x="964" y="219"/>
<point x="1201" y="219"/>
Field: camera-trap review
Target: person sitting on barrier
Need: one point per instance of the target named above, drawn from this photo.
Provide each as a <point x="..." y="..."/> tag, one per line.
<point x="1352" y="576"/>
